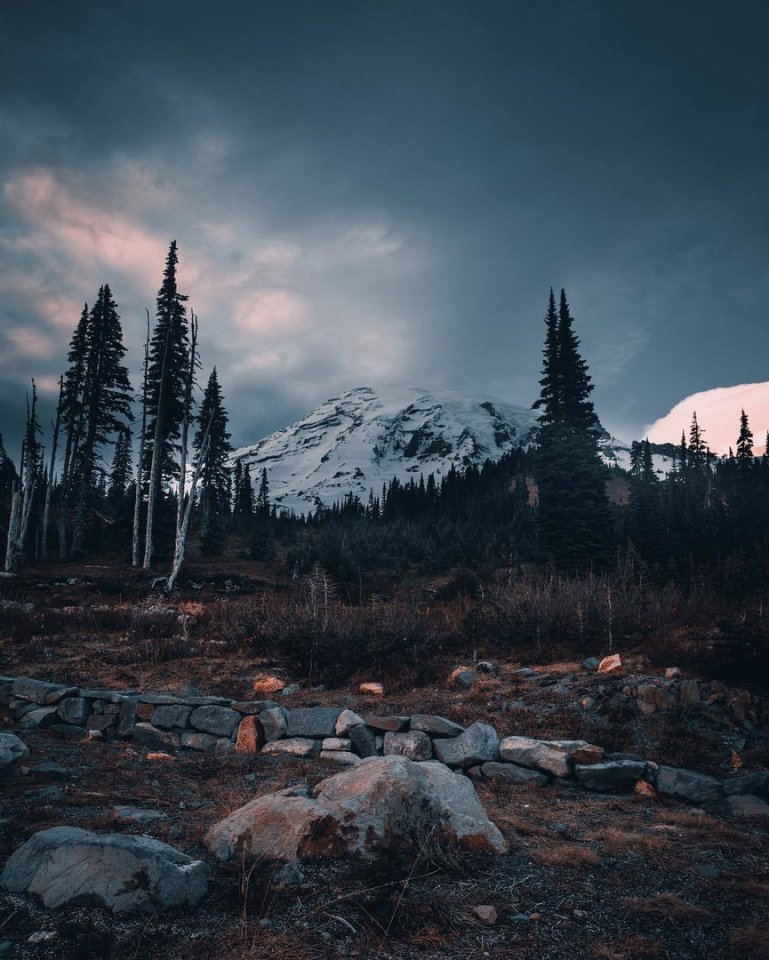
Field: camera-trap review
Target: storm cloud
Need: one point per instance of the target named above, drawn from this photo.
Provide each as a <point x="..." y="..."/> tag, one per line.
<point x="367" y="192"/>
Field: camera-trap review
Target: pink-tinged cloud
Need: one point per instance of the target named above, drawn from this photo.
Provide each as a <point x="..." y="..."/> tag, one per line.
<point x="718" y="413"/>
<point x="270" y="311"/>
<point x="30" y="343"/>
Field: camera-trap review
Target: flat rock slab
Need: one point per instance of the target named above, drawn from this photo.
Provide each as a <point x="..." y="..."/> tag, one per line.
<point x="610" y="775"/>
<point x="746" y="806"/>
<point x="155" y="738"/>
<point x="40" y="718"/>
<point x="396" y="724"/>
<point x="311" y="721"/>
<point x="689" y="785"/>
<point x="556" y="757"/>
<point x="294" y="747"/>
<point x="378" y="804"/>
<point x="12" y="749"/>
<point x="67" y="865"/>
<point x="129" y="814"/>
<point x="512" y="773"/>
<point x="437" y="726"/>
<point x="40" y="691"/>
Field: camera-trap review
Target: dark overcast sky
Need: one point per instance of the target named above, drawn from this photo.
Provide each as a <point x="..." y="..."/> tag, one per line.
<point x="385" y="191"/>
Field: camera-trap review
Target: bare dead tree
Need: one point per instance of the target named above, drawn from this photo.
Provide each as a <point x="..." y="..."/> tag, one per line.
<point x="157" y="453"/>
<point x="190" y="382"/>
<point x="140" y="459"/>
<point x="181" y="536"/>
<point x="51" y="468"/>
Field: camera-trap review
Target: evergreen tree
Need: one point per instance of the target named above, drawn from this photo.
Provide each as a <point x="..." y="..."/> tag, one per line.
<point x="263" y="497"/>
<point x="167" y="372"/>
<point x="573" y="515"/>
<point x="121" y="472"/>
<point x="213" y="451"/>
<point x="744" y="448"/>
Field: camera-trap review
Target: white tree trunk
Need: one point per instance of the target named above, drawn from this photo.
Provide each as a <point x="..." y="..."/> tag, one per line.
<point x="140" y="459"/>
<point x="49" y="488"/>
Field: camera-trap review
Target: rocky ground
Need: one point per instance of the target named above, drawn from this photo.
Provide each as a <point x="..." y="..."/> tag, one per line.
<point x="586" y="875"/>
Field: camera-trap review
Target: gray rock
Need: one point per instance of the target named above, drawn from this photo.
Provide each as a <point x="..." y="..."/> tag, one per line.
<point x="336" y="743"/>
<point x="396" y="724"/>
<point x="12" y="749"/>
<point x="170" y="716"/>
<point x="524" y="672"/>
<point x="756" y="783"/>
<point x="289" y="875"/>
<point x="156" y="739"/>
<point x="294" y="747"/>
<point x="39" y="719"/>
<point x="363" y="740"/>
<point x="251" y="707"/>
<point x="198" y="741"/>
<point x="126" y="718"/>
<point x="465" y="679"/>
<point x="289" y="689"/>
<point x="414" y="744"/>
<point x="478" y="744"/>
<point x="139" y="815"/>
<point x="67" y="731"/>
<point x="609" y="775"/>
<point x="688" y="785"/>
<point x="746" y="806"/>
<point x="437" y="726"/>
<point x="591" y="664"/>
<point x="52" y="771"/>
<point x="512" y="773"/>
<point x="21" y="708"/>
<point x="159" y="699"/>
<point x="40" y="691"/>
<point x="66" y="865"/>
<point x="550" y="756"/>
<point x="273" y="721"/>
<point x="219" y="720"/>
<point x="312" y="721"/>
<point x="74" y="710"/>
<point x="346" y="720"/>
<point x="339" y="756"/>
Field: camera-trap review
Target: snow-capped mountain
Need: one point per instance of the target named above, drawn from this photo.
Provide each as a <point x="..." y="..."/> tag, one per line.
<point x="357" y="442"/>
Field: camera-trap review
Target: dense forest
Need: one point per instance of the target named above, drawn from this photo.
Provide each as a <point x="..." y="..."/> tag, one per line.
<point x="552" y="506"/>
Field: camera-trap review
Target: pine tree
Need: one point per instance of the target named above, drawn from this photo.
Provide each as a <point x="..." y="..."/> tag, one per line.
<point x="214" y="505"/>
<point x="106" y="399"/>
<point x="744" y="448"/>
<point x="122" y="469"/>
<point x="573" y="516"/>
<point x="263" y="497"/>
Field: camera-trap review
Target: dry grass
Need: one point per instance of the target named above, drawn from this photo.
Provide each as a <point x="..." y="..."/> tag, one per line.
<point x="751" y="942"/>
<point x="669" y="907"/>
<point x="636" y="947"/>
<point x="566" y="855"/>
<point x="620" y="842"/>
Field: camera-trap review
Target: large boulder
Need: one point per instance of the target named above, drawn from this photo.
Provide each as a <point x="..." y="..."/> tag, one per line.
<point x="478" y="744"/>
<point x="11" y="749"/>
<point x="380" y="804"/>
<point x="311" y="721"/>
<point x="67" y="865"/>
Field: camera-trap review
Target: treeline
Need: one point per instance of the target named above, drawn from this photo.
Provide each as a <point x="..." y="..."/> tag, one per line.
<point x="133" y="474"/>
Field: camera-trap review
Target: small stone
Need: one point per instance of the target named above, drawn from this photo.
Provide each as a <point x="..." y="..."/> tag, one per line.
<point x="42" y="936"/>
<point x="289" y="875"/>
<point x="672" y="673"/>
<point x="524" y="672"/>
<point x="486" y="914"/>
<point x="372" y="689"/>
<point x="12" y="749"/>
<point x="264" y="686"/>
<point x="586" y="703"/>
<point x="591" y="664"/>
<point x="336" y="743"/>
<point x="486" y="666"/>
<point x="39" y="719"/>
<point x="339" y="756"/>
<point x="611" y="664"/>
<point x="289" y="689"/>
<point x="158" y="755"/>
<point x="129" y="814"/>
<point x="644" y="789"/>
<point x="346" y="720"/>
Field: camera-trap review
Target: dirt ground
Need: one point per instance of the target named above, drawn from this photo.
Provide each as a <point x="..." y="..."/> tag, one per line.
<point x="587" y="875"/>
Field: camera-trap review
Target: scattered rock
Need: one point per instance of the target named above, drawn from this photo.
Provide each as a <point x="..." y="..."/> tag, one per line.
<point x="372" y="689"/>
<point x="311" y="721"/>
<point x="463" y="678"/>
<point x="294" y="747"/>
<point x="486" y="666"/>
<point x="610" y="775"/>
<point x="39" y="719"/>
<point x="688" y="785"/>
<point x="644" y="789"/>
<point x="611" y="664"/>
<point x="12" y="749"/>
<point x="512" y="773"/>
<point x="379" y="803"/>
<point x="414" y="744"/>
<point x="264" y="686"/>
<point x="138" y="815"/>
<point x="478" y="744"/>
<point x="289" y="875"/>
<point x="436" y="726"/>
<point x="486" y="914"/>
<point x="69" y="865"/>
<point x="591" y="664"/>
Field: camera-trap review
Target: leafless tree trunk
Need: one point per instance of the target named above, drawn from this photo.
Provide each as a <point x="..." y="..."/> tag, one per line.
<point x="140" y="458"/>
<point x="49" y="488"/>
<point x="14" y="526"/>
<point x="181" y="536"/>
<point x="186" y="423"/>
